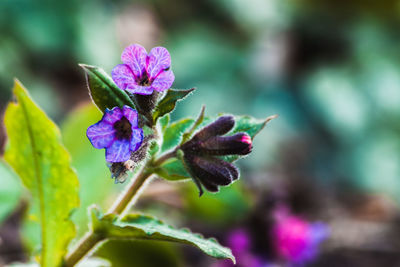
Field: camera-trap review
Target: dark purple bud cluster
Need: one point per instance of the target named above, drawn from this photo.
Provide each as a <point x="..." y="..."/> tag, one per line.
<point x="200" y="154"/>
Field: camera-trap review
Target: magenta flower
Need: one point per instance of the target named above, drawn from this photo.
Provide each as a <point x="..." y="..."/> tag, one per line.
<point x="118" y="133"/>
<point x="143" y="73"/>
<point x="240" y="243"/>
<point x="297" y="240"/>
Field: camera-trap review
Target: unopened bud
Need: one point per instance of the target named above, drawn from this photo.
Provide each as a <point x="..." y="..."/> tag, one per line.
<point x="211" y="172"/>
<point x="219" y="127"/>
<point x="238" y="144"/>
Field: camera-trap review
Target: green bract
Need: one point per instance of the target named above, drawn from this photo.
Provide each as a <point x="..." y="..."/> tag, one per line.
<point x="168" y="102"/>
<point x="104" y="92"/>
<point x="36" y="154"/>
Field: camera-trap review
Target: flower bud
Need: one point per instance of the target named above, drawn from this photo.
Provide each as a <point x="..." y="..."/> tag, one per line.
<point x="238" y="144"/>
<point x="211" y="172"/>
<point x="219" y="127"/>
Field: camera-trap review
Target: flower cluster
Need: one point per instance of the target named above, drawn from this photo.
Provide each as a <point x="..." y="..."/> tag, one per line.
<point x="202" y="151"/>
<point x="296" y="240"/>
<point x="141" y="73"/>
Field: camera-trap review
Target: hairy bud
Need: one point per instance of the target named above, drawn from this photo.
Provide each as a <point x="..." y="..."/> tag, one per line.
<point x="220" y="127"/>
<point x="238" y="144"/>
<point x="211" y="172"/>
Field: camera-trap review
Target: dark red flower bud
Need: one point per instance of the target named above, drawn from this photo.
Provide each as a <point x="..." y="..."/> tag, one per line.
<point x="211" y="172"/>
<point x="219" y="127"/>
<point x="238" y="144"/>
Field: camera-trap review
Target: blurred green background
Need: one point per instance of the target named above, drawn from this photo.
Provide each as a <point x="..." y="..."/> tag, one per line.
<point x="330" y="69"/>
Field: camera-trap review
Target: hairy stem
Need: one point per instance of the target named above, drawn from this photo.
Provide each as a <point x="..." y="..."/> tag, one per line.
<point x="124" y="199"/>
<point x="90" y="239"/>
<point x="87" y="242"/>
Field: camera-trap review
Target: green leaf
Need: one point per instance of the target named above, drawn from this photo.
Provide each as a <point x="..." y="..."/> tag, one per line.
<point x="163" y="122"/>
<point x="104" y="92"/>
<point x="173" y="170"/>
<point x="168" y="103"/>
<point x="173" y="133"/>
<point x="36" y="154"/>
<point x="10" y="191"/>
<point x="141" y="227"/>
<point x="249" y="125"/>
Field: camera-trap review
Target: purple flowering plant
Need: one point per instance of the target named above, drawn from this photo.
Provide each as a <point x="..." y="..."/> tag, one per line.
<point x="139" y="141"/>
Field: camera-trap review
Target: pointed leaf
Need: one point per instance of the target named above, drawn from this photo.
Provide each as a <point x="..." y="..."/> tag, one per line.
<point x="103" y="91"/>
<point x="36" y="154"/>
<point x="168" y="103"/>
<point x="249" y="125"/>
<point x="141" y="227"/>
<point x="173" y="133"/>
<point x="173" y="170"/>
<point x="163" y="122"/>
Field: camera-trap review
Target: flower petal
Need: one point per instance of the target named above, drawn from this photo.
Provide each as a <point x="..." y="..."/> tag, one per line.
<point x="101" y="134"/>
<point x="131" y="115"/>
<point x="136" y="139"/>
<point x="112" y="116"/>
<point x="118" y="151"/>
<point x="159" y="60"/>
<point x="135" y="56"/>
<point x="137" y="89"/>
<point x="123" y="76"/>
<point x="163" y="81"/>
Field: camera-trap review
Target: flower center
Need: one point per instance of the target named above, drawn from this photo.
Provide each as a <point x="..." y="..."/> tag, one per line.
<point x="144" y="80"/>
<point x="123" y="129"/>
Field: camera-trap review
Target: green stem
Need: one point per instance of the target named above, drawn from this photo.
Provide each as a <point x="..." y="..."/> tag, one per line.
<point x="90" y="239"/>
<point x="87" y="242"/>
<point x="120" y="205"/>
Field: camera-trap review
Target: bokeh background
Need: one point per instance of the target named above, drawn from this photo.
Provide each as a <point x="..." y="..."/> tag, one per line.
<point x="329" y="68"/>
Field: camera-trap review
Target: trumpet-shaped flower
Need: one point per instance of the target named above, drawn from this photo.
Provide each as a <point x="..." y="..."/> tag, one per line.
<point x="118" y="133"/>
<point x="142" y="73"/>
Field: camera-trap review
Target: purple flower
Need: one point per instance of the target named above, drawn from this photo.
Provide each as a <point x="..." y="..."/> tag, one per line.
<point x="297" y="240"/>
<point x="143" y="73"/>
<point x="239" y="241"/>
<point x="118" y="133"/>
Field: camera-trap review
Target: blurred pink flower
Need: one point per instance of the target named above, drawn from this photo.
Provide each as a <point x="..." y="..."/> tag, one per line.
<point x="296" y="240"/>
